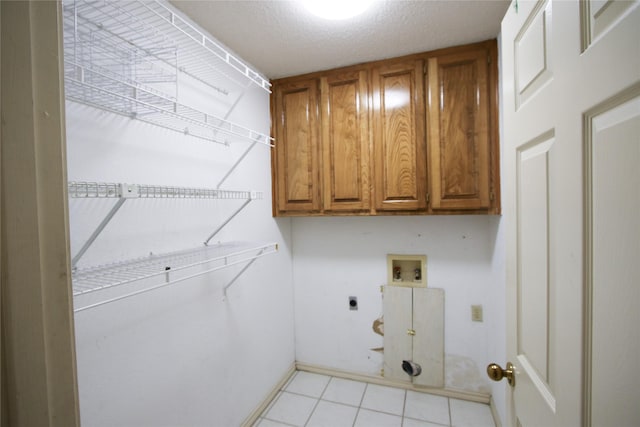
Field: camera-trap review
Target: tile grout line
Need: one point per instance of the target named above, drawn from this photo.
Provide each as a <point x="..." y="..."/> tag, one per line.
<point x="324" y="390"/>
<point x="279" y="422"/>
<point x="296" y="393"/>
<point x="311" y="413"/>
<point x="338" y="402"/>
<point x="404" y="408"/>
<point x="366" y="386"/>
<point x="263" y="414"/>
<point x="385" y="412"/>
<point x="271" y="404"/>
<point x="289" y="381"/>
<point x="317" y="402"/>
<point x="281" y="392"/>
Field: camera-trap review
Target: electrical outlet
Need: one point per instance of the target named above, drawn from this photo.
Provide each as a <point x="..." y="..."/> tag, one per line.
<point x="476" y="313"/>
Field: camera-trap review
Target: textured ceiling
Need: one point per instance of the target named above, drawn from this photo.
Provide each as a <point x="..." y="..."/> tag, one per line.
<point x="280" y="38"/>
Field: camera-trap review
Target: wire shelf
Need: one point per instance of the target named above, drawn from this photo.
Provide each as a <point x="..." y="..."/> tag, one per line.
<point x="125" y="56"/>
<point x="162" y="270"/>
<point x="133" y="58"/>
<point x="85" y="190"/>
<point x="101" y="90"/>
<point x="198" y="46"/>
<point x="148" y="25"/>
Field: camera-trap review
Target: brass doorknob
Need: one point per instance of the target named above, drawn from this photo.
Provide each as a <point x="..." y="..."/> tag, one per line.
<point x="496" y="373"/>
<point x="411" y="332"/>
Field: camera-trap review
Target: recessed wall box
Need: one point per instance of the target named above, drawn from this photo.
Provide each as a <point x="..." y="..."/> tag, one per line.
<point x="407" y="270"/>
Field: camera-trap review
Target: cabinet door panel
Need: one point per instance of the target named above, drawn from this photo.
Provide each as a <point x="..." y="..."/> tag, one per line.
<point x="345" y="141"/>
<point x="459" y="131"/>
<point x="398" y="344"/>
<point x="428" y="343"/>
<point x="297" y="157"/>
<point x="399" y="145"/>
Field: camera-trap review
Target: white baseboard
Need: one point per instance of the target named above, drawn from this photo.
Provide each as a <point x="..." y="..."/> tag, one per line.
<point x="253" y="417"/>
<point x="454" y="393"/>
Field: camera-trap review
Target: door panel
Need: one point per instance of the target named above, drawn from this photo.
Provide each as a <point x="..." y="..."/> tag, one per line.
<point x="532" y="53"/>
<point x="533" y="254"/>
<point x="613" y="242"/>
<point x="600" y="15"/>
<point x="297" y="161"/>
<point x="399" y="145"/>
<point x="345" y="141"/>
<point x="428" y="342"/>
<point x="459" y="151"/>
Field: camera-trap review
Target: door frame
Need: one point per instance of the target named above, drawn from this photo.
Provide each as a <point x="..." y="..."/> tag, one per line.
<point x="39" y="382"/>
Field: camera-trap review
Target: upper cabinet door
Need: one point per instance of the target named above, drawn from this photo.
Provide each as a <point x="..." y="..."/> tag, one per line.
<point x="398" y="137"/>
<point x="345" y="141"/>
<point x="297" y="159"/>
<point x="459" y="123"/>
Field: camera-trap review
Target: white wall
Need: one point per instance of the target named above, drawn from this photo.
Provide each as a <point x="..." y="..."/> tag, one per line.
<point x="335" y="258"/>
<point x="185" y="354"/>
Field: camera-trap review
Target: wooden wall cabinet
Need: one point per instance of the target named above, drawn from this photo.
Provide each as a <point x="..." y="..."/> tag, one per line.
<point x="461" y="166"/>
<point x="398" y="137"/>
<point x="296" y="163"/>
<point x="412" y="135"/>
<point x="321" y="163"/>
<point x="345" y="142"/>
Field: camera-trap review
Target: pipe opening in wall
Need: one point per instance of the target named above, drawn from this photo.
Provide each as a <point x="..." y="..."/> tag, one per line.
<point x="411" y="368"/>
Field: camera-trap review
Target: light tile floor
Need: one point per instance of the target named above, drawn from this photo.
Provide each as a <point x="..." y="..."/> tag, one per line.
<point x="313" y="400"/>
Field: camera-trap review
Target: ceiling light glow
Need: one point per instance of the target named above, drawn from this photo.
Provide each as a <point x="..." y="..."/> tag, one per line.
<point x="337" y="9"/>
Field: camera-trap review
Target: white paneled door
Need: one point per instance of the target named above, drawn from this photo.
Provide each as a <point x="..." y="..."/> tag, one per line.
<point x="571" y="108"/>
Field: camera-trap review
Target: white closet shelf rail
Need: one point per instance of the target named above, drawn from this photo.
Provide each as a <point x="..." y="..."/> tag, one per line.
<point x="122" y="192"/>
<point x="86" y="190"/>
<point x="162" y="270"/>
<point x="152" y="24"/>
<point x="102" y="89"/>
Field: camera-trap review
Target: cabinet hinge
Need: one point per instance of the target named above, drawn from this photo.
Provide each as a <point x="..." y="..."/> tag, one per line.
<point x="424" y="69"/>
<point x="491" y="196"/>
<point x="488" y="59"/>
<point x="427" y="197"/>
